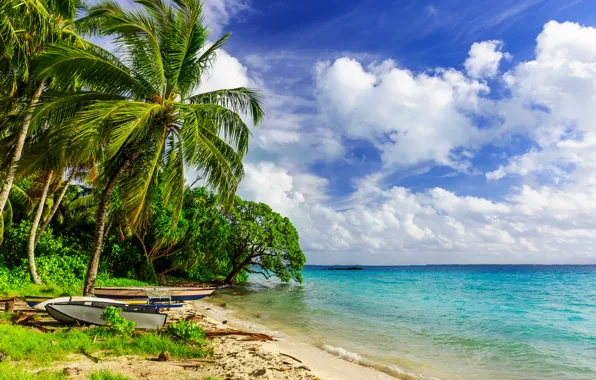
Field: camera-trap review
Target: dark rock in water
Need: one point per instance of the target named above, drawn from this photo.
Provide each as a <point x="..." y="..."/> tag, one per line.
<point x="224" y="322"/>
<point x="164" y="357"/>
<point x="345" y="268"/>
<point x="259" y="372"/>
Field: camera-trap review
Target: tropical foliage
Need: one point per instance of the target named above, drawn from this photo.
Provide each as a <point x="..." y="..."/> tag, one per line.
<point x="95" y="148"/>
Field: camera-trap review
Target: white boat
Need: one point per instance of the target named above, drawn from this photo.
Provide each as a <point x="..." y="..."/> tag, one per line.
<point x="89" y="312"/>
<point x="41" y="306"/>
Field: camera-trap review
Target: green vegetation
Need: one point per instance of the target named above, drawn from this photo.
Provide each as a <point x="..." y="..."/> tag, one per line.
<point x="107" y="375"/>
<point x="187" y="331"/>
<point x="115" y="323"/>
<point x="8" y="372"/>
<point x="24" y="344"/>
<point x="95" y="148"/>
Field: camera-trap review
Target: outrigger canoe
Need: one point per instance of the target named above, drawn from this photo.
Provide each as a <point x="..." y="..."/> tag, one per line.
<point x="40" y="303"/>
<point x="145" y="317"/>
<point x="155" y="294"/>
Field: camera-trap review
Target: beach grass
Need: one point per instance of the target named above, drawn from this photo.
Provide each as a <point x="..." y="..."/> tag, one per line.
<point x="8" y="372"/>
<point x="107" y="375"/>
<point x="51" y="290"/>
<point x="23" y="344"/>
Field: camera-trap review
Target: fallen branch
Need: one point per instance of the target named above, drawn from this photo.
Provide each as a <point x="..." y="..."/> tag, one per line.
<point x="95" y="359"/>
<point x="211" y="334"/>
<point x="291" y="357"/>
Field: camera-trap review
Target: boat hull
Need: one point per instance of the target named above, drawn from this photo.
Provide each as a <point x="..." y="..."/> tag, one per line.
<point x="155" y="294"/>
<point x="41" y="306"/>
<point x="40" y="303"/>
<point x="84" y="312"/>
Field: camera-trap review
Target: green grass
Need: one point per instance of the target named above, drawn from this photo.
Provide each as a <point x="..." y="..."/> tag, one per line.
<point x="9" y="372"/>
<point x="35" y="290"/>
<point x="51" y="290"/>
<point x="123" y="282"/>
<point x="107" y="375"/>
<point x="25" y="344"/>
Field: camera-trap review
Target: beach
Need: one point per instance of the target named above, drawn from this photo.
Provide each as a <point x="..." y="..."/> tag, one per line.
<point x="233" y="357"/>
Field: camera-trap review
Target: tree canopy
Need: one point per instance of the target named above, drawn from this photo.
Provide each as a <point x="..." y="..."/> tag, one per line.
<point x="263" y="242"/>
<point x="95" y="147"/>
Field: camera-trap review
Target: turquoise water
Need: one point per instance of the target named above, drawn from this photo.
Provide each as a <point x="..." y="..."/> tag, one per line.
<point x="446" y="322"/>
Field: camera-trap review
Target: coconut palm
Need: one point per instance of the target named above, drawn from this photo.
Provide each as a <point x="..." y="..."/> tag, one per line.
<point x="26" y="28"/>
<point x="141" y="112"/>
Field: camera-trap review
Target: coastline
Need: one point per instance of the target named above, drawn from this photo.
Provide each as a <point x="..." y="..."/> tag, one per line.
<point x="322" y="364"/>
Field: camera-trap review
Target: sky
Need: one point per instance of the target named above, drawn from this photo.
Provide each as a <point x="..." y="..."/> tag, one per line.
<point x="420" y="132"/>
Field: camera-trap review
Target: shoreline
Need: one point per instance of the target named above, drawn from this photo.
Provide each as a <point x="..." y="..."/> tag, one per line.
<point x="322" y="364"/>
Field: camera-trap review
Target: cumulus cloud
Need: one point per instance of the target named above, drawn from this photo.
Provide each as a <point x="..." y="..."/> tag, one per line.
<point x="420" y="117"/>
<point x="552" y="100"/>
<point x="484" y="59"/>
<point x="532" y="225"/>
<point x="414" y="118"/>
<point x="217" y="13"/>
<point x="411" y="118"/>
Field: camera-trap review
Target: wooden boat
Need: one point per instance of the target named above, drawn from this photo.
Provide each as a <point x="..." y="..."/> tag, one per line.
<point x="155" y="294"/>
<point x="40" y="303"/>
<point x="89" y="312"/>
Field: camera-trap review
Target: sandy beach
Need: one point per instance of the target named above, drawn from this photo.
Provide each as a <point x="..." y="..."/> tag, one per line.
<point x="233" y="357"/>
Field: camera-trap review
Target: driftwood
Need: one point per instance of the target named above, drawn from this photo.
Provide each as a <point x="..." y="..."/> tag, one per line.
<point x="192" y="363"/>
<point x="8" y="304"/>
<point x="211" y="334"/>
<point x="291" y="357"/>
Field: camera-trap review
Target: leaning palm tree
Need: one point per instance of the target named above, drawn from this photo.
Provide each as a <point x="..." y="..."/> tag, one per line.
<point x="26" y="28"/>
<point x="140" y="114"/>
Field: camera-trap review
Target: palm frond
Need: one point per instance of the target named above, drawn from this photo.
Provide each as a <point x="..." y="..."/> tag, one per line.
<point x="220" y="121"/>
<point x="87" y="67"/>
<point x="173" y="179"/>
<point x="240" y="100"/>
<point x="194" y="67"/>
<point x="142" y="177"/>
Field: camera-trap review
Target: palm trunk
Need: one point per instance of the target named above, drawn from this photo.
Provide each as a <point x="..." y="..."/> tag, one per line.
<point x="31" y="244"/>
<point x="55" y="207"/>
<point x="89" y="289"/>
<point x="18" y="149"/>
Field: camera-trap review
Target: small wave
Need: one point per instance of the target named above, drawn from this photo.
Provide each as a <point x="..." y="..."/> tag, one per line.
<point x="391" y="370"/>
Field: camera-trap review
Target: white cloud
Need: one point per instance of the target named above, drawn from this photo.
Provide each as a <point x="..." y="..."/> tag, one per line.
<point x="552" y="100"/>
<point x="217" y="13"/>
<point x="227" y="72"/>
<point x="411" y="118"/>
<point x="484" y="59"/>
<point x="414" y="118"/>
<point x="533" y="225"/>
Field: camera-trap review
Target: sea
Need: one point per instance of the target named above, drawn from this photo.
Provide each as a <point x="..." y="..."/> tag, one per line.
<point x="437" y="322"/>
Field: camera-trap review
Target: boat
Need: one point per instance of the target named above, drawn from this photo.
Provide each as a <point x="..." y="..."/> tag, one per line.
<point x="40" y="303"/>
<point x="156" y="294"/>
<point x="146" y="317"/>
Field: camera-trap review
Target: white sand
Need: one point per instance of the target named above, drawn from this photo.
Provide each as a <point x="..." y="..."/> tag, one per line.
<point x="321" y="363"/>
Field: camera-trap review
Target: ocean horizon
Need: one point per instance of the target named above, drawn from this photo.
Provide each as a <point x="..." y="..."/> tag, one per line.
<point x="452" y="322"/>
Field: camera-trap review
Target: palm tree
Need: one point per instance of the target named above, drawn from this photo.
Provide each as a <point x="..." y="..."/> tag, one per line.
<point x="141" y="114"/>
<point x="26" y="28"/>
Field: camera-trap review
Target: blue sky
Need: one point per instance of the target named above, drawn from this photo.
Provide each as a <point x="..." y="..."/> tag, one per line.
<point x="412" y="132"/>
<point x="409" y="132"/>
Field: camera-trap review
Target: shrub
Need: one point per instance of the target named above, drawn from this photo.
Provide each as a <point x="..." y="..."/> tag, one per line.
<point x="187" y="331"/>
<point x="115" y="323"/>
